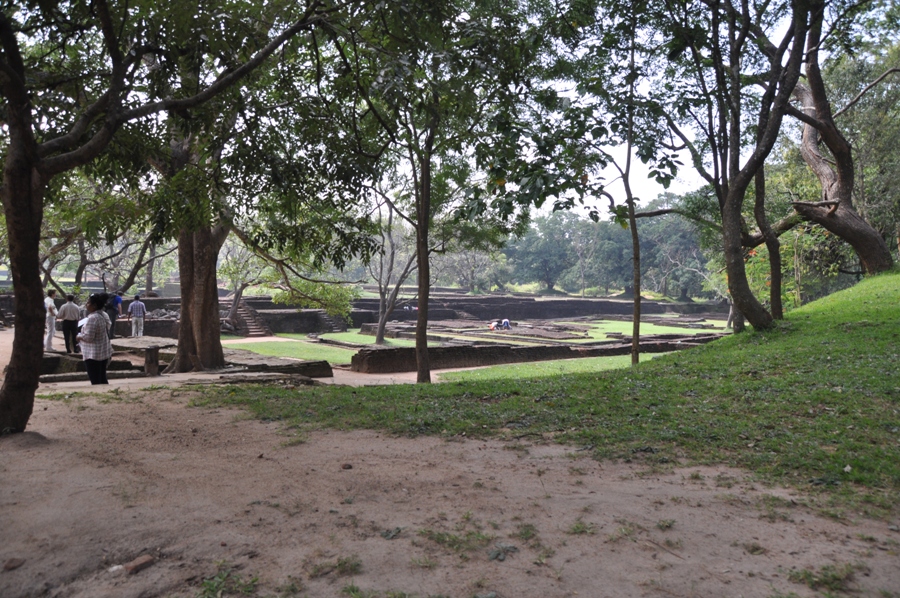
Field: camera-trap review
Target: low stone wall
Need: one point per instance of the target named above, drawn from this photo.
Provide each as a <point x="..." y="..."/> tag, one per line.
<point x="531" y="308"/>
<point x="402" y="359"/>
<point x="370" y="316"/>
<point x="290" y="320"/>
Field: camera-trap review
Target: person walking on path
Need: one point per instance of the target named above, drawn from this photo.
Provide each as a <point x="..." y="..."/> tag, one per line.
<point x="69" y="314"/>
<point x="113" y="309"/>
<point x="50" y="318"/>
<point x="136" y="312"/>
<point x="94" y="339"/>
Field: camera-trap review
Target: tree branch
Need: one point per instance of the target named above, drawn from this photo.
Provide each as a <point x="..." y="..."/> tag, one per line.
<point x="867" y="89"/>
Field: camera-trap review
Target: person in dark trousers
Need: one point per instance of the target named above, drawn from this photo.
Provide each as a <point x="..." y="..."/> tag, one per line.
<point x="113" y="309"/>
<point x="69" y="314"/>
<point x="94" y="340"/>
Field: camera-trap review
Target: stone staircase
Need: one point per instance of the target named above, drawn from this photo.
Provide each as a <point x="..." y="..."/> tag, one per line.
<point x="329" y="324"/>
<point x="251" y="324"/>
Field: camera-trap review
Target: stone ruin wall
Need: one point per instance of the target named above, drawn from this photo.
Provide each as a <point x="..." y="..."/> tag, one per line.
<point x="403" y="359"/>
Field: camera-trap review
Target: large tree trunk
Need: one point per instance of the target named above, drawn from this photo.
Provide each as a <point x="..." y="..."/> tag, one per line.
<point x="835" y="213"/>
<point x="22" y="195"/>
<point x="423" y="364"/>
<point x="773" y="245"/>
<point x="199" y="344"/>
<point x="738" y="285"/>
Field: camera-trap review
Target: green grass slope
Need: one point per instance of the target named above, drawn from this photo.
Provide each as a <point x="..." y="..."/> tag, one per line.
<point x="814" y="403"/>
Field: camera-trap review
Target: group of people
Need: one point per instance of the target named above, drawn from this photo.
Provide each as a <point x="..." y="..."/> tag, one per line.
<point x="97" y="328"/>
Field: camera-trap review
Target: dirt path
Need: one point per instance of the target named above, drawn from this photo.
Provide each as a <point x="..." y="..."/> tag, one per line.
<point x="96" y="483"/>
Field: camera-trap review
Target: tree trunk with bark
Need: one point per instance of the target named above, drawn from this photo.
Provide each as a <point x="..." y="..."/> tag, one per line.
<point x="423" y="224"/>
<point x="773" y="245"/>
<point x="738" y="285"/>
<point x="23" y="199"/>
<point x="199" y="344"/>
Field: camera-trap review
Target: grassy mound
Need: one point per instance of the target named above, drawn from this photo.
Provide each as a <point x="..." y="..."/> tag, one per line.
<point x="814" y="403"/>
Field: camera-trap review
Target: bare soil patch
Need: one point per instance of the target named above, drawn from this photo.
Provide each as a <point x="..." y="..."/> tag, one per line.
<point x="96" y="483"/>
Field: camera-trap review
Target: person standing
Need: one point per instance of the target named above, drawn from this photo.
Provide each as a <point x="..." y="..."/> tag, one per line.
<point x="136" y="312"/>
<point x="50" y="318"/>
<point x="69" y="314"/>
<point x="113" y="309"/>
<point x="94" y="339"/>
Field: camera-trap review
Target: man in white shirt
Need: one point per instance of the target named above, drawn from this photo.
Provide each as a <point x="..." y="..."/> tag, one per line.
<point x="50" y="318"/>
<point x="70" y="314"/>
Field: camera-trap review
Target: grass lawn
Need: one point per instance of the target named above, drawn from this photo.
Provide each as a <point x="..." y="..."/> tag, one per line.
<point x="299" y="350"/>
<point x="542" y="368"/>
<point x="353" y="336"/>
<point x="599" y="330"/>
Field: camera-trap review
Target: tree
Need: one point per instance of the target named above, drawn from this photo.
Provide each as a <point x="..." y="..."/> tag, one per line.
<point x="474" y="269"/>
<point x="241" y="268"/>
<point x="429" y="77"/>
<point x="70" y="79"/>
<point x="542" y="254"/>
<point x="394" y="264"/>
<point x="837" y="176"/>
<point x="673" y="258"/>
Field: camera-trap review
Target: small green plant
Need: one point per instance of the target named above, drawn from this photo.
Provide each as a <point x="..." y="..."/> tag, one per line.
<point x="343" y="566"/>
<point x="355" y="592"/>
<point x="292" y="587"/>
<point x="626" y="529"/>
<point x="525" y="532"/>
<point x="543" y="555"/>
<point x="581" y="528"/>
<point x="724" y="481"/>
<point x="665" y="524"/>
<point x="754" y="548"/>
<point x="348" y="566"/>
<point x="225" y="582"/>
<point x="471" y="540"/>
<point x="670" y="543"/>
<point x="424" y="563"/>
<point x="835" y="578"/>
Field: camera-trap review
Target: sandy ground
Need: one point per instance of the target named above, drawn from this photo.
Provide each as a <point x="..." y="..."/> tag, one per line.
<point x="98" y="482"/>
